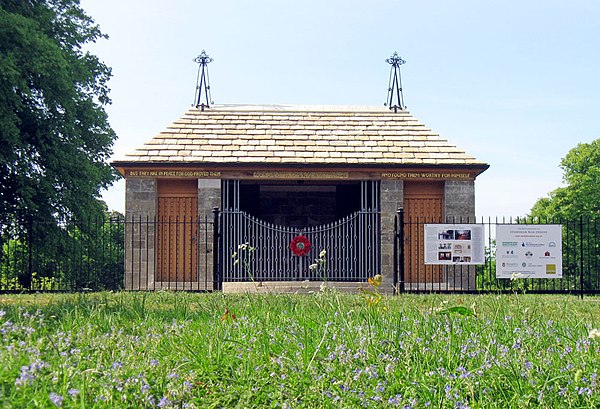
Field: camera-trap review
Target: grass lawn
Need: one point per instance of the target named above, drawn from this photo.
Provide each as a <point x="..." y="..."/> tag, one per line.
<point x="165" y="349"/>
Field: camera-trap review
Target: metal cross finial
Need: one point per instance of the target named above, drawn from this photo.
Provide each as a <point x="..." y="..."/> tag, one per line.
<point x="202" y="81"/>
<point x="395" y="83"/>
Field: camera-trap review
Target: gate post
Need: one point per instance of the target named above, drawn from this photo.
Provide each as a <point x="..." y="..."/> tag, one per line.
<point x="399" y="248"/>
<point x="395" y="256"/>
<point x="27" y="280"/>
<point x="581" y="255"/>
<point x="217" y="278"/>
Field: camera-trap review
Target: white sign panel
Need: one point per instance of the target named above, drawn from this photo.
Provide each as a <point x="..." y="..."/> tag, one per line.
<point x="454" y="244"/>
<point x="529" y="250"/>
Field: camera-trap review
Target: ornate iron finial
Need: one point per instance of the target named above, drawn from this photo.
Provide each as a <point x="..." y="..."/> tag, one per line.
<point x="395" y="83"/>
<point x="202" y="81"/>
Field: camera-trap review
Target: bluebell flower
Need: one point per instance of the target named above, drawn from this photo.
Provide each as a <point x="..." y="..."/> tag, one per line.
<point x="56" y="399"/>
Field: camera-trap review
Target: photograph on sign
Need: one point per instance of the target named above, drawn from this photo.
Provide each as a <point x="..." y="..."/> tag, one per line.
<point x="529" y="251"/>
<point x="454" y="244"/>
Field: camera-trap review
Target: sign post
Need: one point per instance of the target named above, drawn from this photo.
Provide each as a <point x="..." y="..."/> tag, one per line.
<point x="454" y="244"/>
<point x="529" y="251"/>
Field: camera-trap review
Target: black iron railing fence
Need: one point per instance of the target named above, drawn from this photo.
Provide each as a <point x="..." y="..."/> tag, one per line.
<point x="70" y="256"/>
<point x="119" y="254"/>
<point x="580" y="259"/>
<point x="171" y="253"/>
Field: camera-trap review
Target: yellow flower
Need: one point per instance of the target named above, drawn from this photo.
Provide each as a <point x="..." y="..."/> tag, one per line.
<point x="595" y="333"/>
<point x="375" y="281"/>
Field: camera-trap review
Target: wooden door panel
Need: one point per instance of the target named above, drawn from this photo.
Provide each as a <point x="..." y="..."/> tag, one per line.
<point x="176" y="232"/>
<point x="423" y="203"/>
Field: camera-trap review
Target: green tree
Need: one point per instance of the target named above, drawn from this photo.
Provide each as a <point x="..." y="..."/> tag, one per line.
<point x="54" y="131"/>
<point x="581" y="194"/>
<point x="577" y="207"/>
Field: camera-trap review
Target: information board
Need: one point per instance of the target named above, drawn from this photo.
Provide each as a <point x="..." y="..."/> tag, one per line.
<point x="529" y="250"/>
<point x="454" y="244"/>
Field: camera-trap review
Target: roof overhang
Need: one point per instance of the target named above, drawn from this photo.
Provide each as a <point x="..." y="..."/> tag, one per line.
<point x="298" y="171"/>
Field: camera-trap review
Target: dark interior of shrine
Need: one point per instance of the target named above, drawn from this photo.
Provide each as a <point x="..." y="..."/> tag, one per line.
<point x="300" y="204"/>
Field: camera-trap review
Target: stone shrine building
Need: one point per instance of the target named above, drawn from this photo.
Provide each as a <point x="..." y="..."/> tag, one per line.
<point x="295" y="185"/>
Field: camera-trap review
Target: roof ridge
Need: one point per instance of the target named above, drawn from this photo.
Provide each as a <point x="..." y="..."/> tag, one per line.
<point x="297" y="108"/>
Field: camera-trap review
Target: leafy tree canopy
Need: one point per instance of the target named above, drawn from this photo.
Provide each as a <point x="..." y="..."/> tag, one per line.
<point x="581" y="194"/>
<point x="54" y="131"/>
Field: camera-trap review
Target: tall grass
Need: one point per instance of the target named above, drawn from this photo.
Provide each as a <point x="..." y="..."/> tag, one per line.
<point x="321" y="350"/>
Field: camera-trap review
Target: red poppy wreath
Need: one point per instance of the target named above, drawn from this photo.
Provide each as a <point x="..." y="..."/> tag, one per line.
<point x="300" y="245"/>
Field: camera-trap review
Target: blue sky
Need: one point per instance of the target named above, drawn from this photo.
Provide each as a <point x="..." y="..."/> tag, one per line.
<point x="514" y="83"/>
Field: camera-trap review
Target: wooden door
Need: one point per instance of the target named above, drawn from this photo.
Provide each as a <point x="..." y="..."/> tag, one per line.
<point x="177" y="231"/>
<point x="423" y="203"/>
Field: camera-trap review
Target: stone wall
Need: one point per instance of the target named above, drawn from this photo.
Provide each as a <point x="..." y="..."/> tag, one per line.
<point x="459" y="199"/>
<point x="140" y="207"/>
<point x="209" y="197"/>
<point x="392" y="198"/>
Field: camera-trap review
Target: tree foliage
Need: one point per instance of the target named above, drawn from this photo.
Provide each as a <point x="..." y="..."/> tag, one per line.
<point x="54" y="131"/>
<point x="581" y="194"/>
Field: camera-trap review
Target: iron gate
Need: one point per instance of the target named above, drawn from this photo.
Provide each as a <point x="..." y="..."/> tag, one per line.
<point x="255" y="250"/>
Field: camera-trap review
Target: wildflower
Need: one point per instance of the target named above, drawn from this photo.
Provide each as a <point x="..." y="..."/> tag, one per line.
<point x="517" y="344"/>
<point x="228" y="314"/>
<point x="56" y="399"/>
<point x="395" y="400"/>
<point x="163" y="402"/>
<point x="375" y="281"/>
<point x="25" y="378"/>
<point x="594" y="333"/>
<point x="586" y="391"/>
<point x="73" y="392"/>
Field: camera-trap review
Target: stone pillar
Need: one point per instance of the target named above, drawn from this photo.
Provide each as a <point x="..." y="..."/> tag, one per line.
<point x="209" y="197"/>
<point x="459" y="200"/>
<point x="392" y="198"/>
<point x="140" y="212"/>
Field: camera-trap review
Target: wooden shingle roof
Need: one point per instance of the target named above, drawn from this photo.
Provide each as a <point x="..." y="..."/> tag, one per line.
<point x="293" y="135"/>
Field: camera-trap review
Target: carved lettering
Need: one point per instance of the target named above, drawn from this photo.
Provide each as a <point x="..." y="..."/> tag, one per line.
<point x="300" y="175"/>
<point x="424" y="175"/>
<point x="173" y="173"/>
